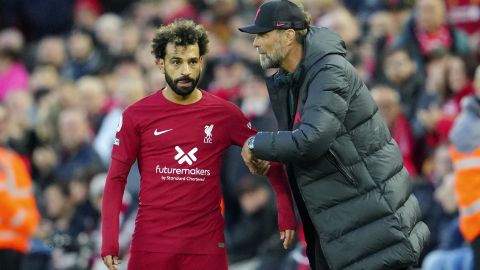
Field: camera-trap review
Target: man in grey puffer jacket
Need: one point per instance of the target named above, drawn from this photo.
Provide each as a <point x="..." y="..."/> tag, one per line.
<point x="346" y="172"/>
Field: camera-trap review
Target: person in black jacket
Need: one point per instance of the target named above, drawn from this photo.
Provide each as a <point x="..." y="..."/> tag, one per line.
<point x="346" y="172"/>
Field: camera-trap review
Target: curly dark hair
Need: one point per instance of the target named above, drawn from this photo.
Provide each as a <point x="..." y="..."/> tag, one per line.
<point x="182" y="33"/>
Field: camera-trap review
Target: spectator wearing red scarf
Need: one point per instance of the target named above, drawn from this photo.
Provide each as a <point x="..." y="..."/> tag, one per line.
<point x="428" y="33"/>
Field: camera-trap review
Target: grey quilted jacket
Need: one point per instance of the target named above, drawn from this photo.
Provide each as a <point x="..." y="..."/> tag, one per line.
<point x="340" y="153"/>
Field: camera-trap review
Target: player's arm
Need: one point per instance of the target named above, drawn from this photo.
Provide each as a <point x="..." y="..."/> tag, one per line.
<point x="286" y="215"/>
<point x="124" y="153"/>
<point x="276" y="176"/>
<point x="111" y="205"/>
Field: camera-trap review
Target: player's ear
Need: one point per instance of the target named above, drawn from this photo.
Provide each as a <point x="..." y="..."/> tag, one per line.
<point x="160" y="63"/>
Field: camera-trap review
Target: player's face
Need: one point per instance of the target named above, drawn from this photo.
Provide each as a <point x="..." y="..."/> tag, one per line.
<point x="270" y="49"/>
<point x="182" y="66"/>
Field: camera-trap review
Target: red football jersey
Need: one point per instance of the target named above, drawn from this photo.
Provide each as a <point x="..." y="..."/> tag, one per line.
<point x="179" y="150"/>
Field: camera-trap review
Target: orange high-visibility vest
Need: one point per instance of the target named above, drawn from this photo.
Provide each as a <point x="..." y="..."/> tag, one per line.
<point x="19" y="216"/>
<point x="467" y="189"/>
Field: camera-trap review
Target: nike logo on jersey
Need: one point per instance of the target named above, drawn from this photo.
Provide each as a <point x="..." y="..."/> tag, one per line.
<point x="156" y="132"/>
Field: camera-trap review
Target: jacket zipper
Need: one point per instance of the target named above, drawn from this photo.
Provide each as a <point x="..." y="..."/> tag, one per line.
<point x="339" y="165"/>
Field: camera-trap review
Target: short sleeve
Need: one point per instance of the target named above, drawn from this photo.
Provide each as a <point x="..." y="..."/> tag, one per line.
<point x="240" y="129"/>
<point x="127" y="139"/>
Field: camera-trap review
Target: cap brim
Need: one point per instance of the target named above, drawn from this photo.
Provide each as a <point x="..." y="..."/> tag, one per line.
<point x="255" y="29"/>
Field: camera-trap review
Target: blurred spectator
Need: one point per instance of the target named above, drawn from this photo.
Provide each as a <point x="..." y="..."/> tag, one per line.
<point x="465" y="151"/>
<point x="401" y="74"/>
<point x="44" y="77"/>
<point x="451" y="254"/>
<point x="172" y="10"/>
<point x="154" y="80"/>
<point x="93" y="99"/>
<point x="108" y="30"/>
<point x="428" y="34"/>
<point x="142" y="57"/>
<point x="388" y="102"/>
<point x="435" y="194"/>
<point x="229" y="74"/>
<point x="22" y="136"/>
<point x="85" y="58"/>
<point x="86" y="12"/>
<point x="458" y="80"/>
<point x="438" y="109"/>
<point x="255" y="104"/>
<point x="381" y="35"/>
<point x="87" y="217"/>
<point x="51" y="51"/>
<point x="13" y="75"/>
<point x="345" y="24"/>
<point x="75" y="152"/>
<point x="63" y="231"/>
<point x="129" y="40"/>
<point x="465" y="14"/>
<point x="19" y="216"/>
<point x="129" y="90"/>
<point x="253" y="242"/>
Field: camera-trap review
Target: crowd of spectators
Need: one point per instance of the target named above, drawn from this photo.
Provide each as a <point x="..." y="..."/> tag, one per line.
<point x="69" y="67"/>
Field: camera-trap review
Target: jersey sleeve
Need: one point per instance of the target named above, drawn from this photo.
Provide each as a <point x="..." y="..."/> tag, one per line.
<point x="111" y="206"/>
<point x="279" y="181"/>
<point x="124" y="154"/>
<point x="127" y="139"/>
<point x="240" y="129"/>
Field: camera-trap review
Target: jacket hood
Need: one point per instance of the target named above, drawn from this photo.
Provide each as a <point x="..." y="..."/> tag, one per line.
<point x="465" y="134"/>
<point x="320" y="42"/>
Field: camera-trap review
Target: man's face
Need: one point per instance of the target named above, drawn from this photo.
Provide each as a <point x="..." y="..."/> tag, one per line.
<point x="80" y="46"/>
<point x="399" y="67"/>
<point x="388" y="105"/>
<point x="73" y="129"/>
<point x="270" y="49"/>
<point x="430" y="14"/>
<point x="182" y="66"/>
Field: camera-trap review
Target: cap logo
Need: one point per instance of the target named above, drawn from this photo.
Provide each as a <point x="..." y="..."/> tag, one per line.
<point x="258" y="12"/>
<point x="280" y="24"/>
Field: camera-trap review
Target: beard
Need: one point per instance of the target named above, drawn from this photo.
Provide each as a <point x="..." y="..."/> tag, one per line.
<point x="275" y="59"/>
<point x="181" y="90"/>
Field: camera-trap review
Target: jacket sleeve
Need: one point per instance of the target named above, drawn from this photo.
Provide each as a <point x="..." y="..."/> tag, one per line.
<point x="323" y="114"/>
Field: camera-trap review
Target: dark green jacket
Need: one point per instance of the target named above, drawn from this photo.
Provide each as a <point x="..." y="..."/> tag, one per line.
<point x="348" y="168"/>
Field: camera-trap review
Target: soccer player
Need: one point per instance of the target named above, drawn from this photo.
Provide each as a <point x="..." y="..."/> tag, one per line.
<point x="179" y="134"/>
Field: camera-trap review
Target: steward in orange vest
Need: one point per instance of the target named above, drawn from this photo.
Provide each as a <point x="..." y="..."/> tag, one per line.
<point x="465" y="154"/>
<point x="19" y="216"/>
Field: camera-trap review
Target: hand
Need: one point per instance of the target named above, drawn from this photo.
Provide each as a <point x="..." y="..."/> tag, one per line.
<point x="287" y="236"/>
<point x="255" y="166"/>
<point x="110" y="261"/>
<point x="261" y="167"/>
